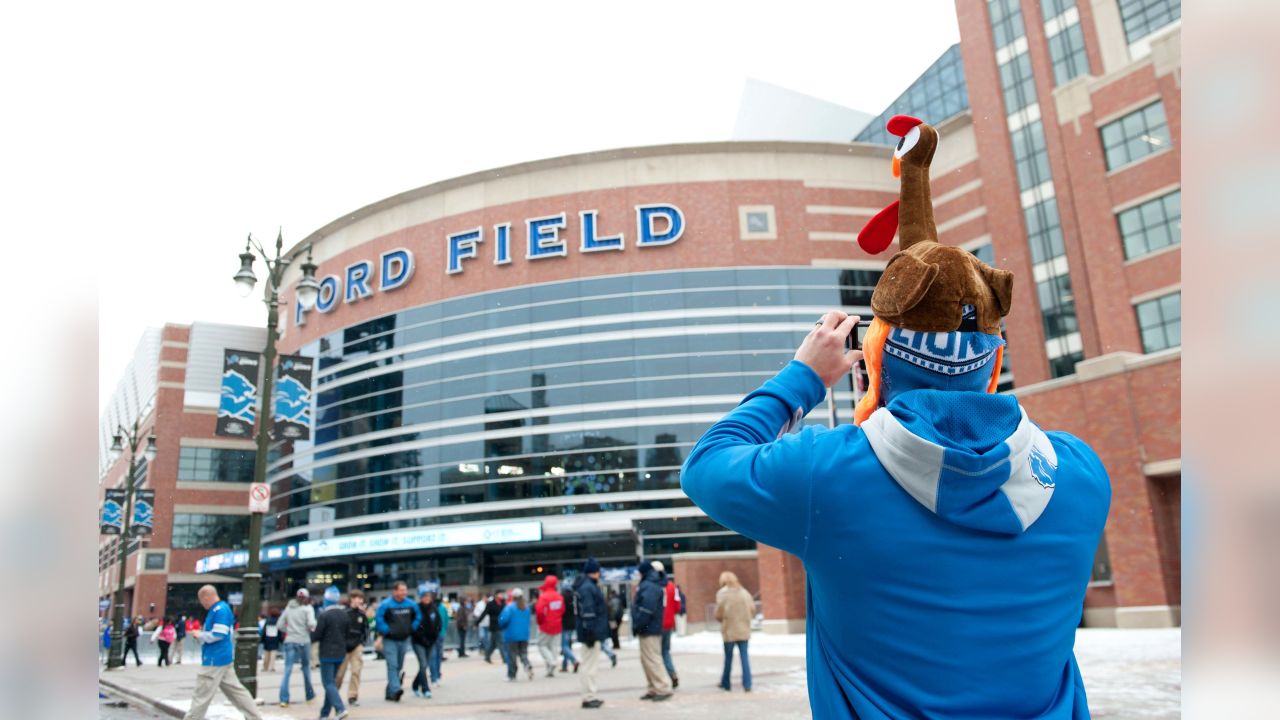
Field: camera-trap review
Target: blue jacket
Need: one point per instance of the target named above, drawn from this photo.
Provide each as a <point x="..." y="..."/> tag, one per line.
<point x="515" y="623"/>
<point x="217" y="648"/>
<point x="947" y="542"/>
<point x="593" y="613"/>
<point x="400" y="625"/>
<point x="646" y="610"/>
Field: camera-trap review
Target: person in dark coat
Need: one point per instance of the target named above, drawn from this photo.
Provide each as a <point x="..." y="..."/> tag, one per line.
<point x="131" y="641"/>
<point x="425" y="636"/>
<point x="331" y="636"/>
<point x="568" y="624"/>
<point x="592" y="628"/>
<point x="270" y="639"/>
<point x="492" y="611"/>
<point x="646" y="623"/>
<point x="357" y="635"/>
<point x="180" y="633"/>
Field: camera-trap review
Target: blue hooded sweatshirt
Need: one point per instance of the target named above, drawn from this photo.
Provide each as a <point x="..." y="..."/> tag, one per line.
<point x="947" y="543"/>
<point x="515" y="622"/>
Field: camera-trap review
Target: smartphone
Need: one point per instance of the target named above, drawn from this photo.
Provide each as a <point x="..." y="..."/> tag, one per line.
<point x="854" y="341"/>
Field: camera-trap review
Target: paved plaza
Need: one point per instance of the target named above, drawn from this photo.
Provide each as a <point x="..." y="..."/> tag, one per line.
<point x="1129" y="674"/>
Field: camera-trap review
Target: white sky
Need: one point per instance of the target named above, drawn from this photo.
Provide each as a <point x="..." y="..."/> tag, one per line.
<point x="206" y="122"/>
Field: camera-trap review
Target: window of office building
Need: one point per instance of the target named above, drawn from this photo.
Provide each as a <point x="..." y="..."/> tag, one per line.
<point x="1018" y="83"/>
<point x="1031" y="159"/>
<point x="1066" y="40"/>
<point x="1040" y="210"/>
<point x="1135" y="136"/>
<point x="1160" y="322"/>
<point x="1151" y="226"/>
<point x="199" y="530"/>
<point x="1006" y="21"/>
<point x="1143" y="17"/>
<point x="936" y="95"/>
<point x="215" y="465"/>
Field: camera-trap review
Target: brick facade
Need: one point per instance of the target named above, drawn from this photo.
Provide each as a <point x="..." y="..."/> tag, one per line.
<point x="699" y="578"/>
<point x="148" y="591"/>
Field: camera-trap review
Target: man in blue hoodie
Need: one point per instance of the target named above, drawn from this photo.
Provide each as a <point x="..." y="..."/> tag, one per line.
<point x="942" y="582"/>
<point x="395" y="621"/>
<point x="947" y="540"/>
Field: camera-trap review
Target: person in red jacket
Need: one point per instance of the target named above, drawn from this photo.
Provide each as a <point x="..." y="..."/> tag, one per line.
<point x="549" y="612"/>
<point x="671" y="601"/>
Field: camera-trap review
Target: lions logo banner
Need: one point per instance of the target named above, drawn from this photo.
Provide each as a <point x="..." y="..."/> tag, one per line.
<point x="112" y="520"/>
<point x="144" y="508"/>
<point x="291" y="399"/>
<point x="239" y="397"/>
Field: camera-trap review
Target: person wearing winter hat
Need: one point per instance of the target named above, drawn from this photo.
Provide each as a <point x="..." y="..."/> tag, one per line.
<point x="944" y="512"/>
<point x="646" y="623"/>
<point x="549" y="611"/>
<point x="592" y="628"/>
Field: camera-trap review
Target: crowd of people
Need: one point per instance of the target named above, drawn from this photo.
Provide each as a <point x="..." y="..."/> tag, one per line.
<point x="555" y="617"/>
<point x="166" y="633"/>
<point x="335" y="635"/>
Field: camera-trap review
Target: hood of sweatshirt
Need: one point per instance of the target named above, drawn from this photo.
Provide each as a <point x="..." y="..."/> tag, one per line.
<point x="550" y="583"/>
<point x="972" y="459"/>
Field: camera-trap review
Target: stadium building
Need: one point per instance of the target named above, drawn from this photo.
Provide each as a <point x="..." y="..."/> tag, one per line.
<point x="512" y="365"/>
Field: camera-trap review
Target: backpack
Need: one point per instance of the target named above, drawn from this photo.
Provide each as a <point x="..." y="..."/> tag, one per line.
<point x="357" y="626"/>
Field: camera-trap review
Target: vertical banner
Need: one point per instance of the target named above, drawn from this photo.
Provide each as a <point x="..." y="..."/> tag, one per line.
<point x="112" y="521"/>
<point x="291" y="416"/>
<point x="239" y="394"/>
<point x="144" y="510"/>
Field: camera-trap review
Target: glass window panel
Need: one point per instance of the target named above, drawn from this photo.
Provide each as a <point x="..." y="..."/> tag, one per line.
<point x="1159" y="322"/>
<point x="1151" y="226"/>
<point x="1135" y="135"/>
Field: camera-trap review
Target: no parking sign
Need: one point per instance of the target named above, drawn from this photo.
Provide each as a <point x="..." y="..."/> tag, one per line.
<point x="259" y="497"/>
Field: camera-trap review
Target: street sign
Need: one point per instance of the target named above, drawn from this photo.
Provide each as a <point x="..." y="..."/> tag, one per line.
<point x="259" y="497"/>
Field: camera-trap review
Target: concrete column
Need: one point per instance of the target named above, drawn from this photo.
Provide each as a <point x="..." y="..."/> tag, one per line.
<point x="782" y="579"/>
<point x="1112" y="44"/>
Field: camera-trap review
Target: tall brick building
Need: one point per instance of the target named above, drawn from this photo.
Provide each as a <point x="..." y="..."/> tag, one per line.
<point x="1080" y="180"/>
<point x="201" y="480"/>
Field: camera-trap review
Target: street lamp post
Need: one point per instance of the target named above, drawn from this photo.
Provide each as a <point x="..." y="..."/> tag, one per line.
<point x="115" y="657"/>
<point x="246" y="647"/>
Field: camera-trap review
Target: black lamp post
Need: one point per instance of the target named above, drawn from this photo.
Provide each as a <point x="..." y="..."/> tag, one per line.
<point x="115" y="658"/>
<point x="246" y="647"/>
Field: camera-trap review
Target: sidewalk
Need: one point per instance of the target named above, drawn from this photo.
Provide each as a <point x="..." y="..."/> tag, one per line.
<point x="1127" y="673"/>
<point x="472" y="688"/>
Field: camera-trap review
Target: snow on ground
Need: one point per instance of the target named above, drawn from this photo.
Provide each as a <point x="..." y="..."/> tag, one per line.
<point x="762" y="644"/>
<point x="1127" y="673"/>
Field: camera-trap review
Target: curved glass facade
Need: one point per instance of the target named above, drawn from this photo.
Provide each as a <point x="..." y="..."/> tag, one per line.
<point x="563" y="398"/>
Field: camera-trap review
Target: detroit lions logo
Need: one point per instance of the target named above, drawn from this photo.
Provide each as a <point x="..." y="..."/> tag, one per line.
<point x="1041" y="468"/>
<point x="293" y="401"/>
<point x="142" y="513"/>
<point x="237" y="397"/>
